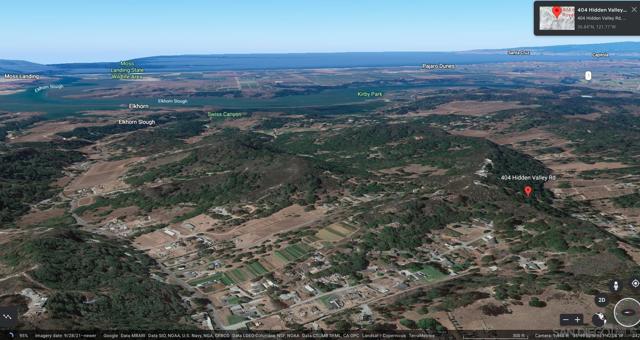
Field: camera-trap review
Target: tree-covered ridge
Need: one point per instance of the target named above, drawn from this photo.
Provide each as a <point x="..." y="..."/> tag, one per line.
<point x="628" y="201"/>
<point x="415" y="220"/>
<point x="26" y="173"/>
<point x="97" y="281"/>
<point x="613" y="137"/>
<point x="94" y="133"/>
<point x="232" y="166"/>
<point x="17" y="125"/>
<point x="162" y="138"/>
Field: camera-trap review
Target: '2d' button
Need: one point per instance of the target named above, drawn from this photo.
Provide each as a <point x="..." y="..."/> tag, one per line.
<point x="601" y="300"/>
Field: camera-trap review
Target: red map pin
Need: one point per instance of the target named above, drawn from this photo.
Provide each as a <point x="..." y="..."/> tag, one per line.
<point x="528" y="190"/>
<point x="556" y="11"/>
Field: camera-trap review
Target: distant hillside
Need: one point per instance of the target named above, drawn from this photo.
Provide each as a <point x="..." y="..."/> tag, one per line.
<point x="619" y="49"/>
<point x="20" y="66"/>
<point x="216" y="62"/>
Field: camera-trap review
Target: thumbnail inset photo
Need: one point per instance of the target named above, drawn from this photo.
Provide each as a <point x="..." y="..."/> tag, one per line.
<point x="557" y="18"/>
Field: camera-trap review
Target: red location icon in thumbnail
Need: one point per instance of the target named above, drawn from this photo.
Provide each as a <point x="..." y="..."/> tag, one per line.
<point x="528" y="190"/>
<point x="557" y="10"/>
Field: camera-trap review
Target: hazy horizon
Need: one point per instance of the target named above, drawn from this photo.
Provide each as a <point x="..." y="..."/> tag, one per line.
<point x="302" y="53"/>
<point x="118" y="29"/>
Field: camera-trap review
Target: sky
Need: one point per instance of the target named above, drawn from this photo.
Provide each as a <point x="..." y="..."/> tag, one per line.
<point x="46" y="31"/>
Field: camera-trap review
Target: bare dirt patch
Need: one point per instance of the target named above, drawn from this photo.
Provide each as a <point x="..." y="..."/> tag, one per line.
<point x="558" y="302"/>
<point x="257" y="231"/>
<point x="581" y="166"/>
<point x="595" y="191"/>
<point x="126" y="214"/>
<point x="607" y="264"/>
<point x="242" y="124"/>
<point x="631" y="251"/>
<point x="272" y="323"/>
<point x="162" y="215"/>
<point x="103" y="176"/>
<point x="158" y="161"/>
<point x="153" y="239"/>
<point x="47" y="131"/>
<point x="474" y="108"/>
<point x="472" y="133"/>
<point x="201" y="223"/>
<point x="590" y="116"/>
<point x="37" y="217"/>
<point x="416" y="169"/>
<point x="528" y="135"/>
<point x="86" y="201"/>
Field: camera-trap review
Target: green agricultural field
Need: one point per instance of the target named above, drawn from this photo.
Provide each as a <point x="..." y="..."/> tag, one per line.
<point x="311" y="239"/>
<point x="293" y="252"/>
<point x="234" y="319"/>
<point x="234" y="276"/>
<point x="234" y="300"/>
<point x="217" y="277"/>
<point x="298" y="250"/>
<point x="326" y="299"/>
<point x="238" y="275"/>
<point x="335" y="232"/>
<point x="282" y="256"/>
<point x="256" y="268"/>
<point x="432" y="273"/>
